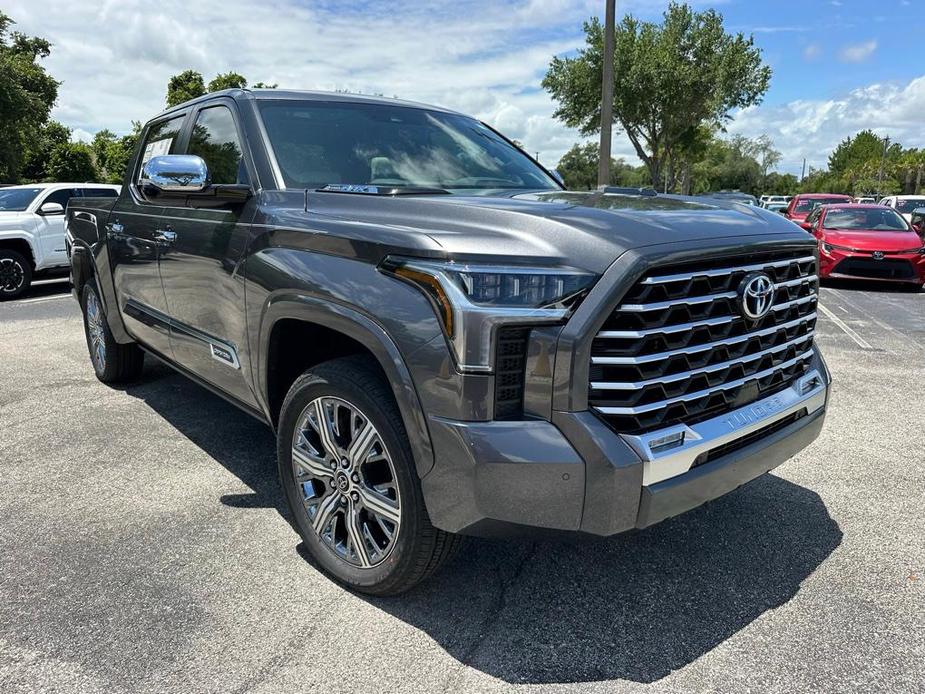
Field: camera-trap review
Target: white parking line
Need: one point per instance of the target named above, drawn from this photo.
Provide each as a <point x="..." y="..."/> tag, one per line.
<point x="845" y="328"/>
<point x="39" y="299"/>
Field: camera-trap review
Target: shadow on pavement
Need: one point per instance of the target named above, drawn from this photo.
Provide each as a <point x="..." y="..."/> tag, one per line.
<point x="635" y="606"/>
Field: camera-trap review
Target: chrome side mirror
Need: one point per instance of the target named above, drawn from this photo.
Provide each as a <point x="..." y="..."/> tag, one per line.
<point x="176" y="173"/>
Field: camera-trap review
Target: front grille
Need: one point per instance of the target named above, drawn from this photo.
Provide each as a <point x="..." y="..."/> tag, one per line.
<point x="886" y="269"/>
<point x="677" y="349"/>
<point x="510" y="365"/>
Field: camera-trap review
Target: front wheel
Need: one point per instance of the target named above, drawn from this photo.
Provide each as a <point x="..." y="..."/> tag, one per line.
<point x="15" y="274"/>
<point x="349" y="478"/>
<point x="112" y="362"/>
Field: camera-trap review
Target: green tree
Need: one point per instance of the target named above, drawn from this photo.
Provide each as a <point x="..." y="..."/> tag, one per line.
<point x="184" y="86"/>
<point x="228" y="80"/>
<point x="668" y="79"/>
<point x="265" y="85"/>
<point x="112" y="153"/>
<point x="27" y="93"/>
<point x="578" y="167"/>
<point x="73" y="162"/>
<point x="39" y="148"/>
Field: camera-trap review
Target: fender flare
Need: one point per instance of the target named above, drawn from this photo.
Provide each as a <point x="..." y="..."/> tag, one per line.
<point x="366" y="331"/>
<point x="29" y="238"/>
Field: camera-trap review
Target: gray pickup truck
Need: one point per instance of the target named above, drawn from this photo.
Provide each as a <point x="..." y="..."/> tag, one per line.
<point x="445" y="341"/>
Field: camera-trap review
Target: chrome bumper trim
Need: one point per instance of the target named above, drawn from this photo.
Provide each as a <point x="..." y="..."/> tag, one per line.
<point x="704" y="436"/>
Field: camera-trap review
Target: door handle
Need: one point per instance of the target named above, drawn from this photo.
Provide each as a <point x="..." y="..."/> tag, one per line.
<point x="165" y="235"/>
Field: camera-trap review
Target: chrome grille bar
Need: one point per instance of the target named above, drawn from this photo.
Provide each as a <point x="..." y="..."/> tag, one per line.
<point x="684" y="327"/>
<point x="679" y="277"/>
<point x="706" y="298"/>
<point x="645" y="358"/>
<point x="713" y="368"/>
<point x="640" y="409"/>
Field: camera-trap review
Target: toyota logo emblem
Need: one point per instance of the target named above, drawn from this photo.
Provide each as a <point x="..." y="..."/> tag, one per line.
<point x="755" y="295"/>
<point x="878" y="255"/>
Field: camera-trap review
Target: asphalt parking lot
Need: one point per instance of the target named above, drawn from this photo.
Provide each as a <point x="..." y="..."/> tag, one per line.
<point x="144" y="547"/>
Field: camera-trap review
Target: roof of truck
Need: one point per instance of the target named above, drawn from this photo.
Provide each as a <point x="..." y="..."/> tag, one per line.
<point x="307" y="95"/>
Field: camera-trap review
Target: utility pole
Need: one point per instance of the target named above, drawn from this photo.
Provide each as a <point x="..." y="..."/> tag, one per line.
<point x="803" y="171"/>
<point x="886" y="146"/>
<point x="603" y="167"/>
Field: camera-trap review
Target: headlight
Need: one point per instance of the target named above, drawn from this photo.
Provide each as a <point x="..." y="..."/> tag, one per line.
<point x="828" y="248"/>
<point x="472" y="299"/>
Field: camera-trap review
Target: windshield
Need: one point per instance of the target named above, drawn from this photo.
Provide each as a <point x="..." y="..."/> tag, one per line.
<point x="808" y="204"/>
<point x="17" y="199"/>
<point x="865" y="219"/>
<point x="908" y="206"/>
<point x="320" y="143"/>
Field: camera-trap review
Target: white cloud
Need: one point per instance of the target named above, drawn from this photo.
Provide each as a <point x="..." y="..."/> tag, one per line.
<point x="812" y="51"/>
<point x="812" y="128"/>
<point x="857" y="53"/>
<point x="483" y="57"/>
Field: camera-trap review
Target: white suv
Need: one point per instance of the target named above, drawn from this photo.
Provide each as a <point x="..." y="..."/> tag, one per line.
<point x="904" y="204"/>
<point x="32" y="230"/>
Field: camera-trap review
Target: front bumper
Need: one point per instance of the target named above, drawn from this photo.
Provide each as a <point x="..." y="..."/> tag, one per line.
<point x="576" y="474"/>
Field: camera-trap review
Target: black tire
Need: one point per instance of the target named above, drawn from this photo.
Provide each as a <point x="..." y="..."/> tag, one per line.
<point x="15" y="274"/>
<point x="418" y="548"/>
<point x="112" y="362"/>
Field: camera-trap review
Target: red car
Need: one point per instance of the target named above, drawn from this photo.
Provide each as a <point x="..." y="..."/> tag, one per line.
<point x="804" y="203"/>
<point x="869" y="242"/>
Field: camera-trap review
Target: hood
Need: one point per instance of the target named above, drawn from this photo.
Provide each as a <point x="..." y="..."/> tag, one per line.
<point x="583" y="229"/>
<point x="874" y="240"/>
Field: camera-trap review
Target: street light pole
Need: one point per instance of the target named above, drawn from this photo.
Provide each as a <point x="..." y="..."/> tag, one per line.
<point x="603" y="167"/>
<point x="886" y="146"/>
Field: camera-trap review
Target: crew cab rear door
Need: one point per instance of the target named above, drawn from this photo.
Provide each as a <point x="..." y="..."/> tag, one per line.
<point x="200" y="266"/>
<point x="135" y="242"/>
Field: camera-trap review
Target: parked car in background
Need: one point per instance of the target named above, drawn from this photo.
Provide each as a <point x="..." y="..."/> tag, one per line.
<point x="732" y="196"/>
<point x="32" y="230"/>
<point x="869" y="242"/>
<point x="773" y="199"/>
<point x="804" y="203"/>
<point x="779" y="207"/>
<point x="904" y="204"/>
<point x="443" y="339"/>
<point x="865" y="201"/>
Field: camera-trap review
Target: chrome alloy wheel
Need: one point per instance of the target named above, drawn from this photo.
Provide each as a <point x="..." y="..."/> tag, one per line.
<point x="346" y="480"/>
<point x="12" y="275"/>
<point x="95" y="331"/>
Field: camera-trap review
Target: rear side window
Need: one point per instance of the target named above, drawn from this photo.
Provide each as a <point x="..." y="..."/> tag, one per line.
<point x="215" y="139"/>
<point x="99" y="193"/>
<point x="161" y="139"/>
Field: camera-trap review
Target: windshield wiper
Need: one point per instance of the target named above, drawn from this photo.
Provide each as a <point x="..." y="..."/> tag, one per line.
<point x="364" y="189"/>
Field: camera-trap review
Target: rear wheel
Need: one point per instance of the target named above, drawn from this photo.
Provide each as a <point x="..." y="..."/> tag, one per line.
<point x="349" y="478"/>
<point x="112" y="362"/>
<point x="15" y="274"/>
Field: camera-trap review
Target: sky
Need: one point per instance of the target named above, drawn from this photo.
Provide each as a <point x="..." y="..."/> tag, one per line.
<point x="839" y="66"/>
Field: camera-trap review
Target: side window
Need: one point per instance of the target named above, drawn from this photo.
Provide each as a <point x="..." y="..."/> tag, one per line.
<point x="60" y="196"/>
<point x="215" y="139"/>
<point x="99" y="193"/>
<point x="161" y="139"/>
